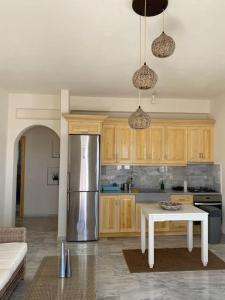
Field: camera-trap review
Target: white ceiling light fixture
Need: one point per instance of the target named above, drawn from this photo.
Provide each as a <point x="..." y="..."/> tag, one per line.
<point x="144" y="78"/>
<point x="164" y="45"/>
<point x="153" y="98"/>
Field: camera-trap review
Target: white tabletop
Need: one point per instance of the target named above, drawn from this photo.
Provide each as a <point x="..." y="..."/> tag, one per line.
<point x="157" y="210"/>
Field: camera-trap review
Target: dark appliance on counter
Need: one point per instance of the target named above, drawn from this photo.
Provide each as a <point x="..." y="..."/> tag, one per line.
<point x="83" y="187"/>
<point x="192" y="189"/>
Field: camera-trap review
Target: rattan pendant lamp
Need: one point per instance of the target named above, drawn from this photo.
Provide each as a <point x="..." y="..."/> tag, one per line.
<point x="144" y="78"/>
<point x="140" y="119"/>
<point x="164" y="45"/>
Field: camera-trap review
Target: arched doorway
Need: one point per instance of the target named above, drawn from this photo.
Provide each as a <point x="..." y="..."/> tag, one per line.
<point x="37" y="173"/>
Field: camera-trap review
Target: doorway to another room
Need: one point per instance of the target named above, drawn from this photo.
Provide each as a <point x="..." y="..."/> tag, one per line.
<point x="38" y="176"/>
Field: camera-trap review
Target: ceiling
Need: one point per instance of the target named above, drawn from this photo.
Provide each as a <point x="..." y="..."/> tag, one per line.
<point x="91" y="47"/>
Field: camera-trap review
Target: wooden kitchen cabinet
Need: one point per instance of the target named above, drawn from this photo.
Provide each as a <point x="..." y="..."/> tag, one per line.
<point x="116" y="144"/>
<point x="148" y="145"/>
<point x="200" y="144"/>
<point x="176" y="145"/>
<point x="108" y="149"/>
<point x="84" y="124"/>
<point x="180" y="226"/>
<point x="109" y="214"/>
<point x="117" y="214"/>
<point x="124" y="144"/>
<point x="159" y="226"/>
<point x="157" y="142"/>
<point x="141" y="146"/>
<point x="171" y="142"/>
<point x="127" y="213"/>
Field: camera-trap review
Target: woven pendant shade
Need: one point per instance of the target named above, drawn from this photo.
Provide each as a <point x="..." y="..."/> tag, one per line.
<point x="139" y="119"/>
<point x="163" y="46"/>
<point x="144" y="78"/>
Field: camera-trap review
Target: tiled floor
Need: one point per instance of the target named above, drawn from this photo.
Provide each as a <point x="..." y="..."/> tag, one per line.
<point x="113" y="281"/>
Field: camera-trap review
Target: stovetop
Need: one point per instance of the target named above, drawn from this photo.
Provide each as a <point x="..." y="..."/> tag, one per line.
<point x="193" y="189"/>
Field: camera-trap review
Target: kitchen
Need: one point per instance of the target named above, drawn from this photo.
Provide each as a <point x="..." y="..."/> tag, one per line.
<point x="171" y="160"/>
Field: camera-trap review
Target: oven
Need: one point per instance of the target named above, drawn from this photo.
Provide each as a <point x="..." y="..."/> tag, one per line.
<point x="207" y="200"/>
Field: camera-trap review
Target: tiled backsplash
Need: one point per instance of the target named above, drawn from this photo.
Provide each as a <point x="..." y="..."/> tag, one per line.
<point x="204" y="175"/>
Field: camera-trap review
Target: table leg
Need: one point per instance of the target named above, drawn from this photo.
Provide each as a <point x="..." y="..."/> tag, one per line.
<point x="204" y="241"/>
<point x="150" y="242"/>
<point x="143" y="233"/>
<point x="190" y="236"/>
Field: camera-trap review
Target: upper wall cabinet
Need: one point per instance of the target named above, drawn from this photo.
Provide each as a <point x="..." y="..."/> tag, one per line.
<point x="200" y="144"/>
<point x="173" y="142"/>
<point x="148" y="145"/>
<point x="116" y="144"/>
<point x="84" y="124"/>
<point x="176" y="145"/>
<point x="124" y="144"/>
<point x="108" y="142"/>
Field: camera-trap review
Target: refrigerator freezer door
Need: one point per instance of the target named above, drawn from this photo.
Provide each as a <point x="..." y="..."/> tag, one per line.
<point x="84" y="162"/>
<point x="82" y="217"/>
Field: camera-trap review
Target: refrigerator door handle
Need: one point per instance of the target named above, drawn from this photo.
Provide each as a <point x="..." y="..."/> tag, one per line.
<point x="68" y="182"/>
<point x="68" y="201"/>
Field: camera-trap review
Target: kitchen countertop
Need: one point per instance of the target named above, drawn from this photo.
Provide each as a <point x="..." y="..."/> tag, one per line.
<point x="154" y="196"/>
<point x="158" y="192"/>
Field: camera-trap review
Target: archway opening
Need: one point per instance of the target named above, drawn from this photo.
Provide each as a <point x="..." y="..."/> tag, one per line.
<point x="37" y="175"/>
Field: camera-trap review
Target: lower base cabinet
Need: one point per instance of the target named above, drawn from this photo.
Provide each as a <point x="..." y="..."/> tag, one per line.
<point x="117" y="214"/>
<point x="180" y="226"/>
<point x="121" y="216"/>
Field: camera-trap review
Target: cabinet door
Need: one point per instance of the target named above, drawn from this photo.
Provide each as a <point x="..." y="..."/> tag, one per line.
<point x="140" y="145"/>
<point x="108" y="144"/>
<point x="124" y="144"/>
<point x="195" y="141"/>
<point x="180" y="226"/>
<point x="176" y="145"/>
<point x="207" y="145"/>
<point x="109" y="214"/>
<point x="162" y="226"/>
<point x="156" y="144"/>
<point x="127" y="213"/>
<point x="83" y="127"/>
<point x="159" y="226"/>
<point x="200" y="144"/>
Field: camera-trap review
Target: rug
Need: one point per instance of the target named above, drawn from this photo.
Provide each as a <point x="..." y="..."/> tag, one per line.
<point x="171" y="259"/>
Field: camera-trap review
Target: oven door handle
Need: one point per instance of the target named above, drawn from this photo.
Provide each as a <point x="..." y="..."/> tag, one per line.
<point x="207" y="204"/>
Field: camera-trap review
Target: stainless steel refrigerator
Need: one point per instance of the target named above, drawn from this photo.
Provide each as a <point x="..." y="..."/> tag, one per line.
<point x="83" y="187"/>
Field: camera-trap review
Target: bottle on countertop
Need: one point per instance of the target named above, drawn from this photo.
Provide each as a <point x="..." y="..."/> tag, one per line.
<point x="162" y="186"/>
<point x="185" y="186"/>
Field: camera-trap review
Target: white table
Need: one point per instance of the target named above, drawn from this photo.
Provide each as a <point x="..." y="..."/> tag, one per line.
<point x="154" y="213"/>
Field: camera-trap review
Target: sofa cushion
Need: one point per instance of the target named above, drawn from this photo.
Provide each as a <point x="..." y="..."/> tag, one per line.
<point x="11" y="255"/>
<point x="4" y="277"/>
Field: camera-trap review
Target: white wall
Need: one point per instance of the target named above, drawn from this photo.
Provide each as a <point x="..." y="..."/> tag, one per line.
<point x="62" y="217"/>
<point x="3" y="140"/>
<point x="107" y="104"/>
<point x="40" y="199"/>
<point x="218" y="113"/>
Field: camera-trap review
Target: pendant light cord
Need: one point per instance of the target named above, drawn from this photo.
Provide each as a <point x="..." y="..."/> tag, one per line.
<point x="145" y="30"/>
<point x="140" y="48"/>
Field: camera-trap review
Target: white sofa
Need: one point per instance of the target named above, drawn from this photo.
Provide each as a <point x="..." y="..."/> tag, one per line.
<point x="13" y="249"/>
